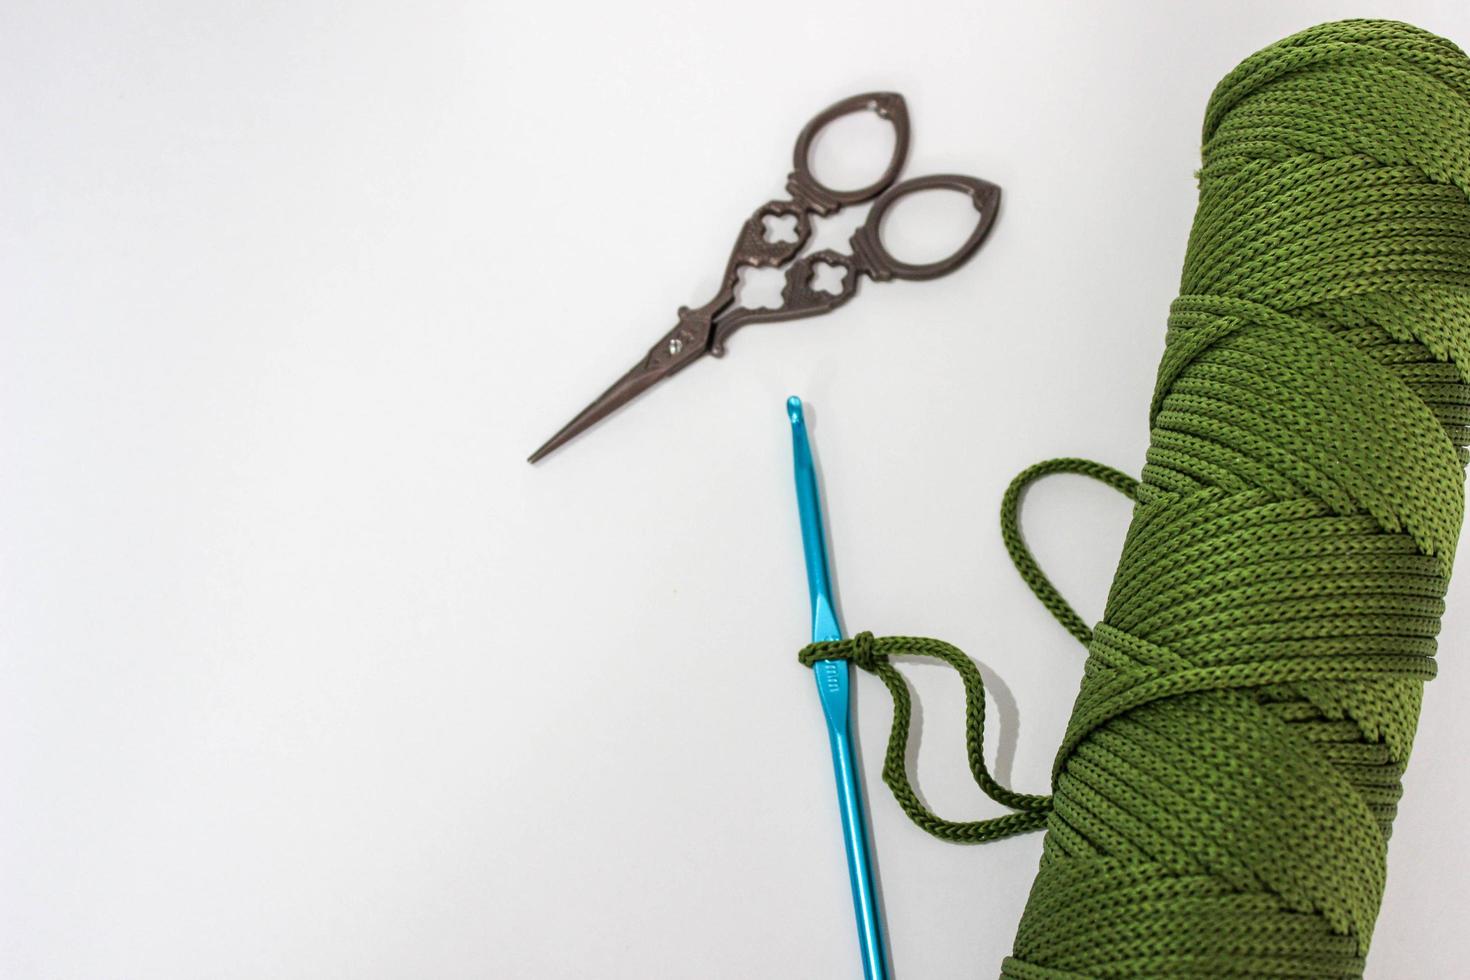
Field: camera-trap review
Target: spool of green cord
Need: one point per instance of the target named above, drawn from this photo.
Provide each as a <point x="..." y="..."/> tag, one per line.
<point x="1225" y="792"/>
<point x="1223" y="797"/>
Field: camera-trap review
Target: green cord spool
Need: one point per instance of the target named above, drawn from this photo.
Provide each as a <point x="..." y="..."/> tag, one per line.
<point x="1224" y="794"/>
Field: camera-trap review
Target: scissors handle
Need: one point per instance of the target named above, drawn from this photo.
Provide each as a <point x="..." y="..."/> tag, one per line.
<point x="755" y="247"/>
<point x="804" y="185"/>
<point x="880" y="264"/>
<point x="802" y="296"/>
<point x="707" y="327"/>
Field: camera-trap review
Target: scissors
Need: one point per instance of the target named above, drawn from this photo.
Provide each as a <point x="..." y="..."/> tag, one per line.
<point x="706" y="330"/>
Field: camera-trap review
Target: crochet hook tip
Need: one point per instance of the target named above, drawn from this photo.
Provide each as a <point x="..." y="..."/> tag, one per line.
<point x="813" y="537"/>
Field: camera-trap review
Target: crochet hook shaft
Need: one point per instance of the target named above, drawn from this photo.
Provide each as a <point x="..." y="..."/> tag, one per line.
<point x="832" y="678"/>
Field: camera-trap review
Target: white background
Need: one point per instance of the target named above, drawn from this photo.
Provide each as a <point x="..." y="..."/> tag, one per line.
<point x="305" y="673"/>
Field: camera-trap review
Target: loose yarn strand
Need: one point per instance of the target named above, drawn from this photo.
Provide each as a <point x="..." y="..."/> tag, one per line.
<point x="873" y="655"/>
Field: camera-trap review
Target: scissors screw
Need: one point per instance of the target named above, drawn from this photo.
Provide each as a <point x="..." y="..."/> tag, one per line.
<point x="675" y="345"/>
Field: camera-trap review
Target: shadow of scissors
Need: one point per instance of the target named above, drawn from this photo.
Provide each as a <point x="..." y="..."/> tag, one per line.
<point x="706" y="330"/>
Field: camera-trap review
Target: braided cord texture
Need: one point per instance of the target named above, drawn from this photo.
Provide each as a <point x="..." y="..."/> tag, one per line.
<point x="1226" y="788"/>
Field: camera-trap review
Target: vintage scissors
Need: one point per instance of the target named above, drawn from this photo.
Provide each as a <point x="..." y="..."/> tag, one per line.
<point x="705" y="330"/>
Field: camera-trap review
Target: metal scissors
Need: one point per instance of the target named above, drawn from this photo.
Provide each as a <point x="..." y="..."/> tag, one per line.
<point x="706" y="330"/>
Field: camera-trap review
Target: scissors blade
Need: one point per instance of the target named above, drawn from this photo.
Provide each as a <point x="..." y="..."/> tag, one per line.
<point x="680" y="347"/>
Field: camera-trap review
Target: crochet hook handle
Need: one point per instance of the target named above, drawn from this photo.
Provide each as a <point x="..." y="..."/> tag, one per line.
<point x="832" y="687"/>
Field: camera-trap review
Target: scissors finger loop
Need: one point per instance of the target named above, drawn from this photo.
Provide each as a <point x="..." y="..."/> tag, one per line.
<point x="880" y="263"/>
<point x="804" y="185"/>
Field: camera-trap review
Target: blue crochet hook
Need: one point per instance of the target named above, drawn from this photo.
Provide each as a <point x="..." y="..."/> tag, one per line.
<point x="832" y="677"/>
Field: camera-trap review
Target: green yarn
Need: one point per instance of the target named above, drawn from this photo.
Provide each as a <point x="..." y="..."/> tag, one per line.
<point x="1224" y="794"/>
<point x="873" y="655"/>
